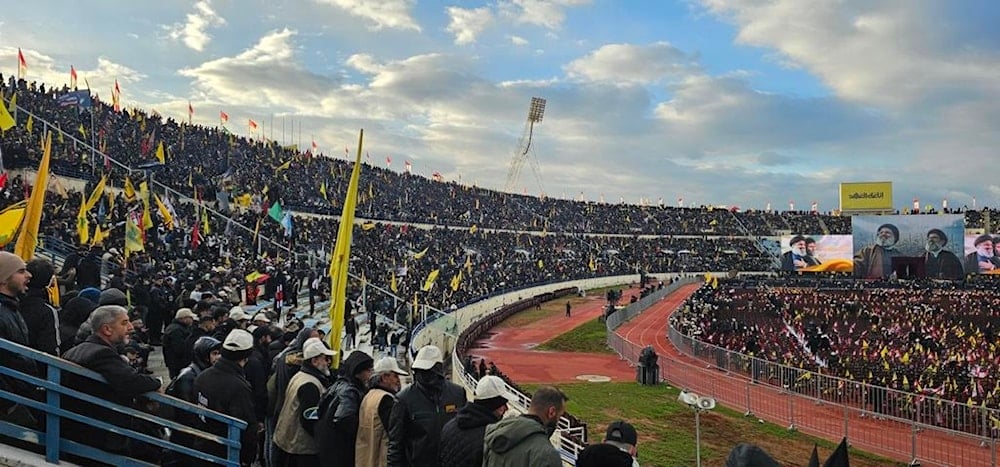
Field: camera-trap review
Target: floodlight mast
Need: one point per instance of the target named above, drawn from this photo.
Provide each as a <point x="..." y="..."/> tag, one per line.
<point x="536" y="110"/>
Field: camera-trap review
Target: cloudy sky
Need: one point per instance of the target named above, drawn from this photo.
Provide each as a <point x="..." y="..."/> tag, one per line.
<point x="727" y="102"/>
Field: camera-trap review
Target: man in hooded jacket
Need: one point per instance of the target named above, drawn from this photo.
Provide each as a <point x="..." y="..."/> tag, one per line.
<point x="339" y="410"/>
<point x="295" y="431"/>
<point x="206" y="352"/>
<point x="524" y="440"/>
<point x="421" y="410"/>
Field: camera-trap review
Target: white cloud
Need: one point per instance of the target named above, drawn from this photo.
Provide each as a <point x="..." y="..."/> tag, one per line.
<point x="193" y="32"/>
<point x="266" y="74"/>
<point x="632" y="64"/>
<point x="46" y="69"/>
<point x="392" y="14"/>
<point x="548" y="14"/>
<point x="467" y="24"/>
<point x="888" y="53"/>
<point x="518" y="41"/>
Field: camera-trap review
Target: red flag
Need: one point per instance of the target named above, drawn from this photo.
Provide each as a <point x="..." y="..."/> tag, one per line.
<point x="314" y="145"/>
<point x="388" y="161"/>
<point x="3" y="180"/>
<point x="223" y="116"/>
<point x="22" y="65"/>
<point x="72" y="76"/>
<point x="253" y="125"/>
<point x="190" y="110"/>
<point x="107" y="162"/>
<point x="195" y="236"/>
<point x="118" y="90"/>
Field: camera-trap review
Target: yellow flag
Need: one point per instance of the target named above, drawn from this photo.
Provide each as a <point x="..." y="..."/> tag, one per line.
<point x="129" y="190"/>
<point x="82" y="224"/>
<point x="28" y="239"/>
<point x="133" y="235"/>
<point x="82" y="131"/>
<point x="456" y="281"/>
<point x="10" y="222"/>
<point x="421" y="254"/>
<point x="31" y="124"/>
<point x="161" y="154"/>
<point x="13" y="103"/>
<point x="322" y="190"/>
<point x="95" y="195"/>
<point x="99" y="236"/>
<point x="468" y="264"/>
<point x="284" y="166"/>
<point x="473" y="229"/>
<point x="147" y="218"/>
<point x="592" y="265"/>
<point x="340" y="261"/>
<point x="393" y="286"/>
<point x="53" y="291"/>
<point x="541" y="264"/>
<point x="367" y="226"/>
<point x="204" y="221"/>
<point x="168" y="219"/>
<point x="6" y="120"/>
<point x="429" y="282"/>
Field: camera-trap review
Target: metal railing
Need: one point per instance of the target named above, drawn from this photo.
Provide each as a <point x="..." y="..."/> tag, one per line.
<point x="897" y="424"/>
<point x="54" y="394"/>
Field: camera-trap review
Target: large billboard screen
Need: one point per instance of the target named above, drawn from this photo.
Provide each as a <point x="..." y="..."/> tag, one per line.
<point x="816" y="253"/>
<point x="908" y="246"/>
<point x="981" y="254"/>
<point x="866" y="196"/>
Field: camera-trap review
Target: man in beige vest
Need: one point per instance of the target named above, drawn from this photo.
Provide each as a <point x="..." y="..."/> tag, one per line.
<point x="372" y="442"/>
<point x="294" y="431"/>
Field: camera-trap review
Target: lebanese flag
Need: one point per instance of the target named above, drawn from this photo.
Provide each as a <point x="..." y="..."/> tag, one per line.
<point x="22" y="65"/>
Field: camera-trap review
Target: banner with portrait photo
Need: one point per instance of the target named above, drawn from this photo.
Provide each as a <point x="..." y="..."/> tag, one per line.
<point x="910" y="246"/>
<point x="981" y="254"/>
<point x="816" y="253"/>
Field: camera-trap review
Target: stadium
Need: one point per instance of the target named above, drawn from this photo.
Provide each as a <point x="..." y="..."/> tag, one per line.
<point x="903" y="356"/>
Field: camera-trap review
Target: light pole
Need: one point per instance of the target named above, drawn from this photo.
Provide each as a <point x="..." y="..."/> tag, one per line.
<point x="698" y="404"/>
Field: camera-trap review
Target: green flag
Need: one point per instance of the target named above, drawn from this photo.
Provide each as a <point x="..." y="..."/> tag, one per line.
<point x="276" y="212"/>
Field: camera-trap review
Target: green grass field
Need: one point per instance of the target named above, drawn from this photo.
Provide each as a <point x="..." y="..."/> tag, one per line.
<point x="667" y="428"/>
<point x="588" y="337"/>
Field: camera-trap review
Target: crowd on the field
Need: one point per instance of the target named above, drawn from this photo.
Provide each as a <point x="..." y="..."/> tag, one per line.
<point x="914" y="337"/>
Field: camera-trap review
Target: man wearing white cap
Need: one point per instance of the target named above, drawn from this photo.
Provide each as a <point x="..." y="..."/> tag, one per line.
<point x="294" y="433"/>
<point x="224" y="389"/>
<point x="175" y="338"/>
<point x="421" y="410"/>
<point x="462" y="437"/>
<point x="376" y="408"/>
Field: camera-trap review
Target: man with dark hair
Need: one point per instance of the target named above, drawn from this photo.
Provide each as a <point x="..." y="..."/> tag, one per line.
<point x="111" y="327"/>
<point x="224" y="389"/>
<point x="811" y="258"/>
<point x="875" y="261"/>
<point x="421" y="410"/>
<point x="462" y="437"/>
<point x="524" y="440"/>
<point x="39" y="315"/>
<point x="938" y="262"/>
<point x="175" y="341"/>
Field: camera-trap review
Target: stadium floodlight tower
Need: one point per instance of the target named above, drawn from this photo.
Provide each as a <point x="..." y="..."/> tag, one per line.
<point x="535" y="113"/>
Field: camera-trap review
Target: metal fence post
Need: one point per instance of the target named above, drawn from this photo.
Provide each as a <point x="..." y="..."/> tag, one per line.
<point x="913" y="443"/>
<point x="847" y="419"/>
<point x="791" y="414"/>
<point x="749" y="409"/>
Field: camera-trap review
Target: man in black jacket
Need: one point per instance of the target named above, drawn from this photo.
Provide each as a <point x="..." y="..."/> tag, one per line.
<point x="14" y="279"/>
<point x="339" y="411"/>
<point x="111" y="327"/>
<point x="421" y="410"/>
<point x="462" y="436"/>
<point x="175" y="341"/>
<point x="224" y="389"/>
<point x="207" y="350"/>
<point x="39" y="315"/>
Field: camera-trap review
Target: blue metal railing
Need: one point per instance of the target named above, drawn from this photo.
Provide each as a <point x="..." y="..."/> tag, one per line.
<point x="55" y="392"/>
